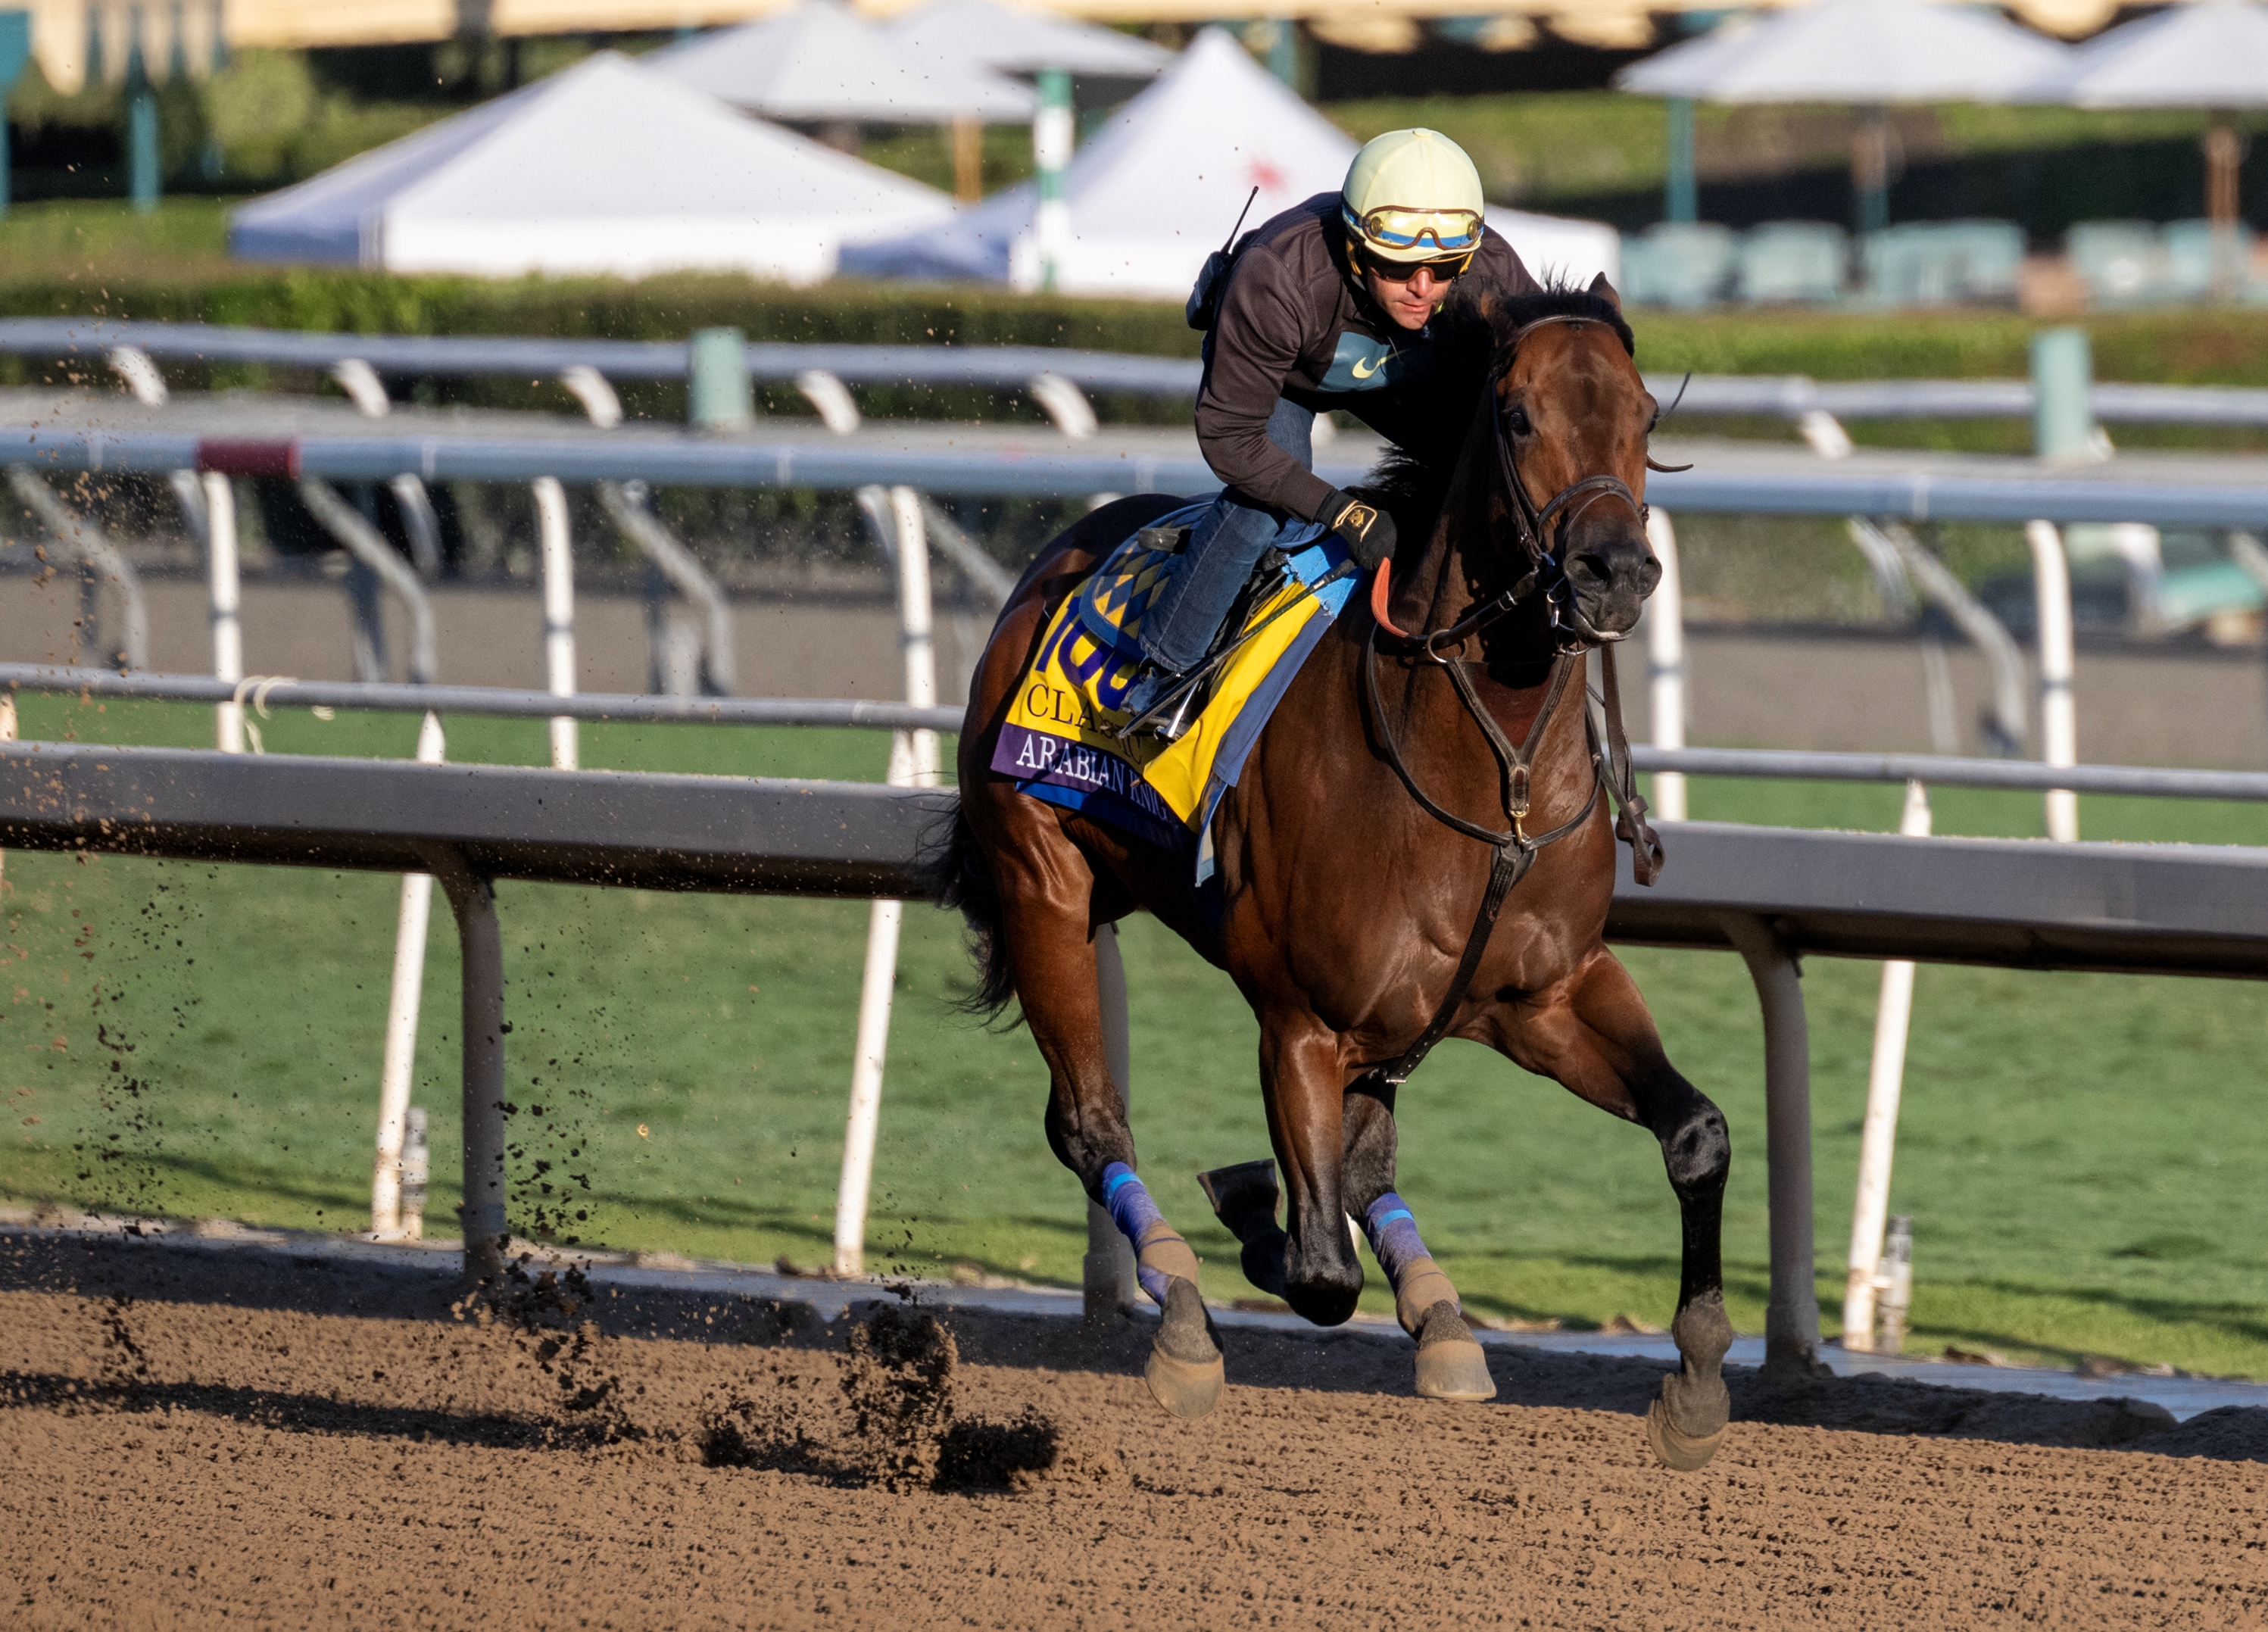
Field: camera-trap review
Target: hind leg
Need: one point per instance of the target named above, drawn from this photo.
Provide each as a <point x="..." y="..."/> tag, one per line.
<point x="1046" y="892"/>
<point x="1594" y="1035"/>
<point x="1450" y="1362"/>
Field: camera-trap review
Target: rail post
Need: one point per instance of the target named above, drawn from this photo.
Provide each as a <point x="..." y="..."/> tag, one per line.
<point x="913" y="763"/>
<point x="98" y="558"/>
<point x="627" y="505"/>
<point x="1107" y="1273"/>
<point x="404" y="996"/>
<point x="2063" y="430"/>
<point x="1878" y="1135"/>
<point x="2059" y="711"/>
<point x="1665" y="651"/>
<point x="225" y="601"/>
<point x="138" y="372"/>
<point x="718" y="394"/>
<point x="2003" y="724"/>
<point x="1792" y="1313"/>
<point x="368" y="546"/>
<point x="558" y="614"/>
<point x="472" y="899"/>
<point x="419" y="523"/>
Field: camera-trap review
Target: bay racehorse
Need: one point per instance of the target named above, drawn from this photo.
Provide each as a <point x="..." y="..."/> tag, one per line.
<point x="1416" y="848"/>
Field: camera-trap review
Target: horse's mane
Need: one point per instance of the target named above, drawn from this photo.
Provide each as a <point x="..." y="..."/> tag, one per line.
<point x="1478" y="324"/>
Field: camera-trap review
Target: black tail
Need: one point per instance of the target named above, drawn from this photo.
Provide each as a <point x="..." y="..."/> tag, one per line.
<point x="960" y="876"/>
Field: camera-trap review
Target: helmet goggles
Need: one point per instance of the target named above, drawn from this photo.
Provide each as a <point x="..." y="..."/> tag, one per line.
<point x="1406" y="233"/>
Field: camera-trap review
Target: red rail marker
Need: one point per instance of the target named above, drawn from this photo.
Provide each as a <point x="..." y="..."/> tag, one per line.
<point x="239" y="456"/>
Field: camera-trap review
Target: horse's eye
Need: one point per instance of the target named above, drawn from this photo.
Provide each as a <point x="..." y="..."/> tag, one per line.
<point x="1515" y="418"/>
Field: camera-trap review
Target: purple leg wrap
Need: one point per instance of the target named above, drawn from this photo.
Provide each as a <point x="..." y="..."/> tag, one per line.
<point x="1393" y="1235"/>
<point x="1127" y="1200"/>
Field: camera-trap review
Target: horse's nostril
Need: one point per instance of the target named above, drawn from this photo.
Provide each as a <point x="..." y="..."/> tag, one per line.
<point x="1592" y="567"/>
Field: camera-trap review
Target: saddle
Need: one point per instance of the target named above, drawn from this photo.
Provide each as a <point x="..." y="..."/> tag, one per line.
<point x="1119" y="594"/>
<point x="1065" y="739"/>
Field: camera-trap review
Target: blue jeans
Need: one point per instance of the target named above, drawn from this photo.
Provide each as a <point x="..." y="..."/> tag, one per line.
<point x="1223" y="547"/>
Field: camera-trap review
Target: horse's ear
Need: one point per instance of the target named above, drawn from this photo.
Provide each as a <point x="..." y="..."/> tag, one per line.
<point x="1605" y="291"/>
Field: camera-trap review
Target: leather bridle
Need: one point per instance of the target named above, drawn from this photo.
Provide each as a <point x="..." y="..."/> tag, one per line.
<point x="1538" y="529"/>
<point x="1515" y="849"/>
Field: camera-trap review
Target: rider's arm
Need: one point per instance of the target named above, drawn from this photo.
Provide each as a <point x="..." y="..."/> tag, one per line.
<point x="1255" y="346"/>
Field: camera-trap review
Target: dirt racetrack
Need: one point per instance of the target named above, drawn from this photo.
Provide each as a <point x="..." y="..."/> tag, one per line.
<point x="188" y="1444"/>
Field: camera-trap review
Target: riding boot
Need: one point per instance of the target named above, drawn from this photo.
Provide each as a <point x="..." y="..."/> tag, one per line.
<point x="1178" y="626"/>
<point x="1226" y="543"/>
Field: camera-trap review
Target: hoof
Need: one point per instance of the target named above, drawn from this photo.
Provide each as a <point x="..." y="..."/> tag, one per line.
<point x="1185" y="1373"/>
<point x="1678" y="1451"/>
<point x="1703" y="1405"/>
<point x="1451" y="1364"/>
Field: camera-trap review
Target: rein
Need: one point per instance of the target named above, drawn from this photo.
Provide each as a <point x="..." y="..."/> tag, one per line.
<point x="1514" y="850"/>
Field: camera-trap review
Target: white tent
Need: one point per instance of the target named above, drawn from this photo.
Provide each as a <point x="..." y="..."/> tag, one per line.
<point x="1853" y="51"/>
<point x="818" y="62"/>
<point x="1159" y="186"/>
<point x="2212" y="54"/>
<point x="605" y="167"/>
<point x="1010" y="41"/>
<point x="1557" y="250"/>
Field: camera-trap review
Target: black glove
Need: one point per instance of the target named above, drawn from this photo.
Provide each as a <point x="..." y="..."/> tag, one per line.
<point x="1368" y="531"/>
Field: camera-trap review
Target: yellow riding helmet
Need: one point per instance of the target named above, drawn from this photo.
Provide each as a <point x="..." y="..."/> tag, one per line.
<point x="1411" y="196"/>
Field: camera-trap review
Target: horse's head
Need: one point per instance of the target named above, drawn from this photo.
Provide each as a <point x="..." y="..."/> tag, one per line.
<point x="1573" y="416"/>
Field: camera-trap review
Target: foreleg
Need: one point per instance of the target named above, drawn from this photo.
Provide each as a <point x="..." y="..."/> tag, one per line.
<point x="1594" y="1035"/>
<point x="1303" y="1081"/>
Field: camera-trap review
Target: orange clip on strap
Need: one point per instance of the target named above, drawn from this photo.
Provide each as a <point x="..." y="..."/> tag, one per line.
<point x="1381" y="592"/>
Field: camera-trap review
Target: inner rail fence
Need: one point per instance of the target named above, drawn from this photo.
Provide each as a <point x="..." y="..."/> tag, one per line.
<point x="1789" y="397"/>
<point x="1782" y="764"/>
<point x="1771" y="894"/>
<point x="2238" y="500"/>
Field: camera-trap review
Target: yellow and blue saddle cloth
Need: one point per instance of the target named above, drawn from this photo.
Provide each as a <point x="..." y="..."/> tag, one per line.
<point x="1059" y="743"/>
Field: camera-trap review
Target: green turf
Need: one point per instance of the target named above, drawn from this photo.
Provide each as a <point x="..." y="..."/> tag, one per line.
<point x="2080" y="1152"/>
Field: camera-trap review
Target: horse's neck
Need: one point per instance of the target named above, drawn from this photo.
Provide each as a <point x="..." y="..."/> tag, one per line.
<point x="1472" y="555"/>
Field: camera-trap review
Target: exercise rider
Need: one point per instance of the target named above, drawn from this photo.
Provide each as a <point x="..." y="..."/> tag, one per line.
<point x="1325" y="306"/>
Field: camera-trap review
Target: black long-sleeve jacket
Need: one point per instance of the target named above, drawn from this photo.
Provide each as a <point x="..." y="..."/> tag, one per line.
<point x="1293" y="324"/>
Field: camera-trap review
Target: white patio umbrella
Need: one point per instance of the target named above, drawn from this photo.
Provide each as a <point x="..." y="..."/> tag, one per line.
<point x="1008" y="39"/>
<point x="980" y="38"/>
<point x="2209" y="55"/>
<point x="818" y="64"/>
<point x="1869" y="53"/>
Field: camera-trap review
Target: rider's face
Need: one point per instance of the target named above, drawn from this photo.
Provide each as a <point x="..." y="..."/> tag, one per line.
<point x="1407" y="295"/>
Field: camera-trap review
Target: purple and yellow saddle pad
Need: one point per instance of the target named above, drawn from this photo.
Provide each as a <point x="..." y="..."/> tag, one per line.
<point x="1059" y="741"/>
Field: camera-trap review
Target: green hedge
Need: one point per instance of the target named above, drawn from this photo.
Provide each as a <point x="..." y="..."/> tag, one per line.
<point x="660" y="308"/>
<point x="2179" y="346"/>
